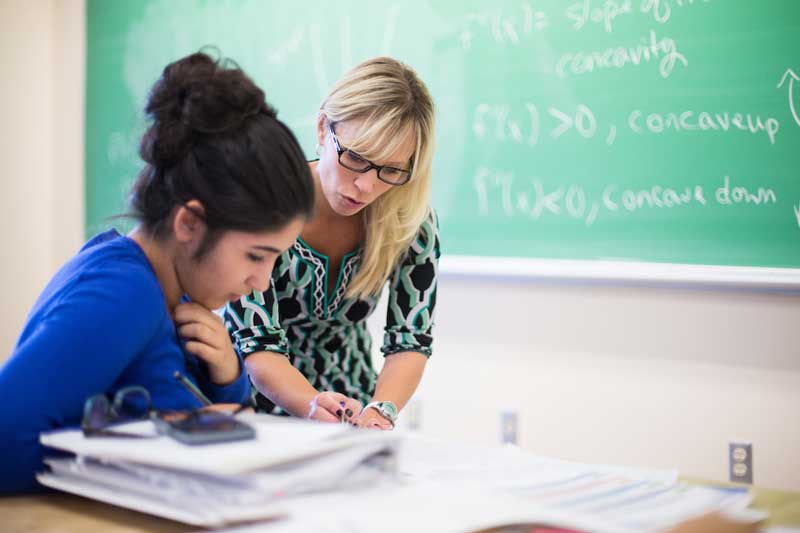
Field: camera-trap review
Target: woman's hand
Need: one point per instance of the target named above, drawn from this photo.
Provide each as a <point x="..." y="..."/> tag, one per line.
<point x="207" y="338"/>
<point x="333" y="407"/>
<point x="371" y="419"/>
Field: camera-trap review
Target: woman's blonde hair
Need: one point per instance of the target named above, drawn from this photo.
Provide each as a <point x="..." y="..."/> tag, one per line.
<point x="395" y="106"/>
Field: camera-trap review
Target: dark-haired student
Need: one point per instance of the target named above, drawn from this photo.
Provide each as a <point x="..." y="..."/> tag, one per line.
<point x="225" y="189"/>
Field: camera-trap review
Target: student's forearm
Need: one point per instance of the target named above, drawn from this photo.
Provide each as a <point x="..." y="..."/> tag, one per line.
<point x="276" y="378"/>
<point x="400" y="377"/>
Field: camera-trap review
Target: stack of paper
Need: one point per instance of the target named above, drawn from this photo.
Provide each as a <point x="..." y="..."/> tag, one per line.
<point x="610" y="498"/>
<point x="451" y="487"/>
<point x="215" y="484"/>
<point x="359" y="480"/>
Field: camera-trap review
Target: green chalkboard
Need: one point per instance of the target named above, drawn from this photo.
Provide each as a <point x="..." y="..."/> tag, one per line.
<point x="658" y="131"/>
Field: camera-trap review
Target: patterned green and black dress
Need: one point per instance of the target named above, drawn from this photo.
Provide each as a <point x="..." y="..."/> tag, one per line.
<point x="326" y="337"/>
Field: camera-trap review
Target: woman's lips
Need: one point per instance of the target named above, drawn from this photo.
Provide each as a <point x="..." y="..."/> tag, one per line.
<point x="351" y="202"/>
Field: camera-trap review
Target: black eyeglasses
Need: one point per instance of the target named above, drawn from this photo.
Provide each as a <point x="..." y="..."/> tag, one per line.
<point x="129" y="404"/>
<point x="352" y="161"/>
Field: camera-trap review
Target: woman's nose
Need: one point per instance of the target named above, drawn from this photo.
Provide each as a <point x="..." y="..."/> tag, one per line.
<point x="260" y="280"/>
<point x="366" y="182"/>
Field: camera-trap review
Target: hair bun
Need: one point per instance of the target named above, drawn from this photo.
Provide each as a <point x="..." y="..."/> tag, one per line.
<point x="196" y="95"/>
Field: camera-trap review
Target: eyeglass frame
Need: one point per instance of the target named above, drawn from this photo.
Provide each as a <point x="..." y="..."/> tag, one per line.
<point x="149" y="413"/>
<point x="114" y="408"/>
<point x="342" y="149"/>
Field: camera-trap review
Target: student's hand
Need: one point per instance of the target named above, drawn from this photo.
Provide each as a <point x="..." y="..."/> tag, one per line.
<point x="372" y="419"/>
<point x="333" y="407"/>
<point x="207" y="338"/>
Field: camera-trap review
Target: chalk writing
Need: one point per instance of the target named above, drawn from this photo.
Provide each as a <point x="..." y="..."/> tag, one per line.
<point x="596" y="12"/>
<point x="661" y="10"/>
<point x="503" y="123"/>
<point x="650" y="48"/>
<point x="792" y="77"/>
<point x="283" y="52"/>
<point x="702" y="121"/>
<point x="534" y="198"/>
<point x="727" y="195"/>
<point x="503" y="29"/>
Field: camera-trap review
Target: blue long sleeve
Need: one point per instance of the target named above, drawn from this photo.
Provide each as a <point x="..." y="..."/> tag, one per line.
<point x="100" y="325"/>
<point x="80" y="346"/>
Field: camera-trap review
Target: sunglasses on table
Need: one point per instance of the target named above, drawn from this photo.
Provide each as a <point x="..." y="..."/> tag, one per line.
<point x="101" y="415"/>
<point x="130" y="404"/>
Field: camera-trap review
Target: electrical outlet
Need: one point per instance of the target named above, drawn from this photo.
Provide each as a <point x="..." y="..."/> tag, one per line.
<point x="508" y="426"/>
<point x="740" y="462"/>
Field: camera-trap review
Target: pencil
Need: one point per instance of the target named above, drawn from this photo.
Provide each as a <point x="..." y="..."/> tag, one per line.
<point x="192" y="388"/>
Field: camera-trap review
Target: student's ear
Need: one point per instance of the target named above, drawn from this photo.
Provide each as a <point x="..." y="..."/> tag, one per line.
<point x="189" y="222"/>
<point x="322" y="128"/>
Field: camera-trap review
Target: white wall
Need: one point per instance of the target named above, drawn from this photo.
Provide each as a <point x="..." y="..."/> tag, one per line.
<point x="42" y="53"/>
<point x="637" y="376"/>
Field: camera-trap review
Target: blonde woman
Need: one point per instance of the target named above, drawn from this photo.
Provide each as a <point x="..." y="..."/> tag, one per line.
<point x="305" y="340"/>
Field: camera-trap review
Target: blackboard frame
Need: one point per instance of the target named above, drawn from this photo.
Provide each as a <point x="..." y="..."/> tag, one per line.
<point x="622" y="273"/>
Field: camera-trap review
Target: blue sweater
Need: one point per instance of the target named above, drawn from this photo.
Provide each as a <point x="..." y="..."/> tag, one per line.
<point x="101" y="324"/>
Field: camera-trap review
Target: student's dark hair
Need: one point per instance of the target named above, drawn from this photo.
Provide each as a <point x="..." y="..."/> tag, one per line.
<point x="214" y="139"/>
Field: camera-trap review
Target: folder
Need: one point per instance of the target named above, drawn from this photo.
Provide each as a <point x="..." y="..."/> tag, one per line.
<point x="217" y="484"/>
